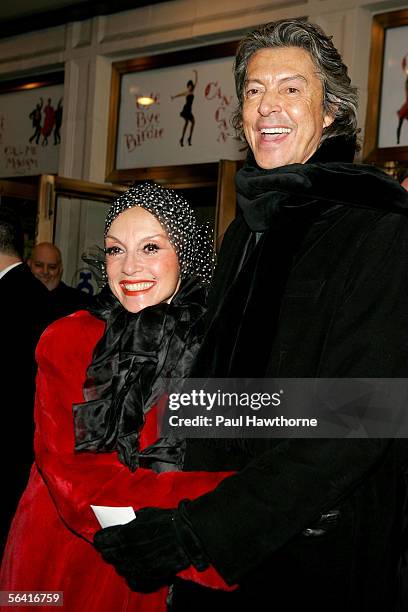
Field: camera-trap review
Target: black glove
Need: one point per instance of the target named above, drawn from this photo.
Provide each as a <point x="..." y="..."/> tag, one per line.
<point x="150" y="550"/>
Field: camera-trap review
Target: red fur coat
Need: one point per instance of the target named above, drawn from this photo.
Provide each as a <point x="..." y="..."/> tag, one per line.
<point x="50" y="542"/>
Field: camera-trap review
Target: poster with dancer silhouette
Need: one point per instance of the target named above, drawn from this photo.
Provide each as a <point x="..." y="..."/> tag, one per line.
<point x="393" y="120"/>
<point x="187" y="120"/>
<point x="30" y="131"/>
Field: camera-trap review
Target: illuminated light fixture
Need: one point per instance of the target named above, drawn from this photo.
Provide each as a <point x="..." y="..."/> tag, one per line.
<point x="144" y="101"/>
<point x="31" y="85"/>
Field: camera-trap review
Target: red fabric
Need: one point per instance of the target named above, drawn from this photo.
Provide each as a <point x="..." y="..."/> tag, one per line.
<point x="403" y="111"/>
<point x="49" y="545"/>
<point x="49" y="120"/>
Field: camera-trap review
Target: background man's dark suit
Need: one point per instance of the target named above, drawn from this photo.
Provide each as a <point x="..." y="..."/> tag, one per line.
<point x="25" y="311"/>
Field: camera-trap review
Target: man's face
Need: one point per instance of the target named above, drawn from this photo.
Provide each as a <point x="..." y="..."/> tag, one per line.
<point x="283" y="117"/>
<point x="45" y="264"/>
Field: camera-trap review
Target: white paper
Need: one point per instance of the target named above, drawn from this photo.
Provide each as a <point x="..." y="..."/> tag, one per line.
<point x="109" y="516"/>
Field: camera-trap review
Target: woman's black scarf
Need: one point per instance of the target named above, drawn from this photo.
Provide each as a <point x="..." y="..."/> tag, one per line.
<point x="278" y="208"/>
<point x="130" y="363"/>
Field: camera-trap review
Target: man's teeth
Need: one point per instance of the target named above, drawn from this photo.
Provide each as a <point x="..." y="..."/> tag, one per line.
<point x="278" y="130"/>
<point x="137" y="286"/>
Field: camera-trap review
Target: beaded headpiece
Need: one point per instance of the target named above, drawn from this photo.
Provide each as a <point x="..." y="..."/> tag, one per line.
<point x="191" y="241"/>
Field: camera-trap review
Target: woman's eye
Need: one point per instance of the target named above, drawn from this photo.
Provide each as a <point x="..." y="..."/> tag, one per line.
<point x="151" y="247"/>
<point x="292" y="90"/>
<point x="113" y="250"/>
<point x="251" y="92"/>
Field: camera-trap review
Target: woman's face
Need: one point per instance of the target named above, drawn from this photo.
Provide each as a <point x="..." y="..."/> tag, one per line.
<point x="141" y="264"/>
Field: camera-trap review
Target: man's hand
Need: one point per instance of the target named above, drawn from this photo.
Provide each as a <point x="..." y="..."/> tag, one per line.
<point x="150" y="550"/>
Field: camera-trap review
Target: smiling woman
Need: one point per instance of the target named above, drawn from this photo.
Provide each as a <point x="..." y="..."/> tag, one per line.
<point x="141" y="263"/>
<point x="146" y="324"/>
<point x="158" y="261"/>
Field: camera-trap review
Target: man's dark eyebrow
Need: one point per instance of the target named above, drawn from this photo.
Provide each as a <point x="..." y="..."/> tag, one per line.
<point x="283" y="79"/>
<point x="293" y="77"/>
<point x="247" y="80"/>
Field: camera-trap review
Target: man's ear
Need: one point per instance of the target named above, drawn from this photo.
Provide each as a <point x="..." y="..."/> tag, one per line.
<point x="28" y="262"/>
<point x="329" y="115"/>
<point x="328" y="119"/>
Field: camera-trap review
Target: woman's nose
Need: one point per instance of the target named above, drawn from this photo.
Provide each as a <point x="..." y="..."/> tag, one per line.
<point x="133" y="262"/>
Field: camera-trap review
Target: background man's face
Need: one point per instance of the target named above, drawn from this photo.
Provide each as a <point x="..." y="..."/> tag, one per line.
<point x="45" y="264"/>
<point x="283" y="115"/>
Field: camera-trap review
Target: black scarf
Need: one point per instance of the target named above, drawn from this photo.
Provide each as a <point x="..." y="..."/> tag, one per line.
<point x="278" y="209"/>
<point x="125" y="378"/>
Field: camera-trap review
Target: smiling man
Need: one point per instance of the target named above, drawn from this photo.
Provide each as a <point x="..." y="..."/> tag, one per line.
<point x="46" y="265"/>
<point x="283" y="114"/>
<point x="311" y="283"/>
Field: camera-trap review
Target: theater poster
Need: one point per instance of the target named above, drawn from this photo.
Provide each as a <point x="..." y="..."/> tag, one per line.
<point x="386" y="130"/>
<point x="30" y="130"/>
<point x="173" y="110"/>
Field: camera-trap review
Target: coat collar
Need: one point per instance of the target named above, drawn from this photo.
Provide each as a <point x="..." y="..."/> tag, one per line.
<point x="264" y="194"/>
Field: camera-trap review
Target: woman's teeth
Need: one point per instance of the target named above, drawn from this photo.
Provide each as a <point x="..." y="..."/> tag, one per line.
<point x="137" y="286"/>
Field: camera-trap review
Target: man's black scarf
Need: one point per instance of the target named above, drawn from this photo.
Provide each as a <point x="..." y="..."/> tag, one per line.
<point x="278" y="208"/>
<point x="130" y="362"/>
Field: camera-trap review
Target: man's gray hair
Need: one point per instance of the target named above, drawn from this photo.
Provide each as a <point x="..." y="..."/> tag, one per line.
<point x="339" y="96"/>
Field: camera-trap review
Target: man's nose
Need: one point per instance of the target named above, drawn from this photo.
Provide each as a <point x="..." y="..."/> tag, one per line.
<point x="270" y="102"/>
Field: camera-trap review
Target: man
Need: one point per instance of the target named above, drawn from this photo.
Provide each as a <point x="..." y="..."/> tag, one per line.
<point x="46" y="265"/>
<point x="310" y="284"/>
<point x="25" y="311"/>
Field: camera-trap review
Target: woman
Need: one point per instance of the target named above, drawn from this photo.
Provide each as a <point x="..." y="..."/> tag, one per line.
<point x="403" y="111"/>
<point x="147" y="327"/>
<point x="187" y="110"/>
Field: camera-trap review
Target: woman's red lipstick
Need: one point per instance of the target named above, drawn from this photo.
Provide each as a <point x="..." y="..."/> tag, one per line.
<point x="136" y="287"/>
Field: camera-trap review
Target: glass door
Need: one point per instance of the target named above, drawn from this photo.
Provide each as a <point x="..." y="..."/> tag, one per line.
<point x="71" y="215"/>
<point x="22" y="195"/>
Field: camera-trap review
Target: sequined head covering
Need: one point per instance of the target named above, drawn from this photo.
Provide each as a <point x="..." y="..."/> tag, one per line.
<point x="190" y="240"/>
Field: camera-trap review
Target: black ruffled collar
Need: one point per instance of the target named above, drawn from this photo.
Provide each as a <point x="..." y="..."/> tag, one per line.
<point x="130" y="363"/>
<point x="283" y="205"/>
<point x="262" y="194"/>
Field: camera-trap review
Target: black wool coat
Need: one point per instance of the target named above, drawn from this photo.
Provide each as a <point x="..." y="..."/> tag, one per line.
<point x="308" y="523"/>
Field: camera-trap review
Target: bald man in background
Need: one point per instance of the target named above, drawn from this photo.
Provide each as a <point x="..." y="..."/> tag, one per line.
<point x="46" y="265"/>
